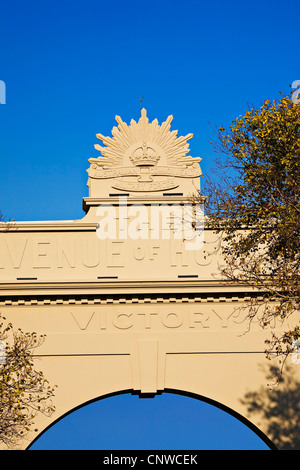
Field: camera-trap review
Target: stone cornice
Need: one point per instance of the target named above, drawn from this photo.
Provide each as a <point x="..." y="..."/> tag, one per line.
<point x="145" y="200"/>
<point x="170" y="287"/>
<point x="106" y="300"/>
<point x="49" y="226"/>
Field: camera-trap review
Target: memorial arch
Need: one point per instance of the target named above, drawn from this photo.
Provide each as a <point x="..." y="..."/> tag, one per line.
<point x="130" y="296"/>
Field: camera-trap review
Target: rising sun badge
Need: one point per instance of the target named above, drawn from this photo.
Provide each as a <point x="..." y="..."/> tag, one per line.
<point x="144" y="156"/>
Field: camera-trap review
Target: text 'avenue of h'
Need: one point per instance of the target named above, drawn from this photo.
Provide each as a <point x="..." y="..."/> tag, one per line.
<point x="46" y="252"/>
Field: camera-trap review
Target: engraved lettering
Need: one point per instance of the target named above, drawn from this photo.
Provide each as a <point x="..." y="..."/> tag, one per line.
<point x="177" y="250"/>
<point x="138" y="227"/>
<point x="224" y="317"/>
<point x="168" y="183"/>
<point x="114" y="253"/>
<point x="102" y="320"/>
<point x="66" y="253"/>
<point x="202" y="257"/>
<point x="16" y="251"/>
<point x="139" y="253"/>
<point x="82" y="319"/>
<point x="168" y="218"/>
<point x="198" y="318"/>
<point x="122" y="323"/>
<point x="172" y="320"/>
<point x="3" y="252"/>
<point x="90" y="252"/>
<point x="148" y="320"/>
<point x="153" y="252"/>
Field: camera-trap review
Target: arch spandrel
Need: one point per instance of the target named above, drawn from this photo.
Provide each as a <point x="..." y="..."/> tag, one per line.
<point x="133" y="308"/>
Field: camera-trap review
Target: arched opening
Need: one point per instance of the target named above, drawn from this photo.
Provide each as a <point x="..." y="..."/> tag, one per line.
<point x="171" y="420"/>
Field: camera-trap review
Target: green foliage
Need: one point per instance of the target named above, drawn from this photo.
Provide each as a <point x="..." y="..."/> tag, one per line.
<point x="24" y="391"/>
<point x="255" y="205"/>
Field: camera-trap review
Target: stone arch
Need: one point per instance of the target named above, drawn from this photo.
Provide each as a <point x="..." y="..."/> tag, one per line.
<point x="194" y="396"/>
<point x="120" y="315"/>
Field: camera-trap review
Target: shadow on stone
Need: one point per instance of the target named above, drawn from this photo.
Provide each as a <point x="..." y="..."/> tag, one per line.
<point x="278" y="408"/>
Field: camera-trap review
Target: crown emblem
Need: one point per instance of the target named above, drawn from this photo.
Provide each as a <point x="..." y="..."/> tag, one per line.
<point x="144" y="155"/>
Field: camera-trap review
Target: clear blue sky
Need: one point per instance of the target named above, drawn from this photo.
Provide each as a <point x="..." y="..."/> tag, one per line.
<point x="71" y="66"/>
<point x="167" y="421"/>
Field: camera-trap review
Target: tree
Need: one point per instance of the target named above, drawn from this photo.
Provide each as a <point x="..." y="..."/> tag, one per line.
<point x="24" y="391"/>
<point x="254" y="204"/>
<point x="7" y="224"/>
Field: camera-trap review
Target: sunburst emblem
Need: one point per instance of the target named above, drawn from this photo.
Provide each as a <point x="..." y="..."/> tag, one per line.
<point x="139" y="155"/>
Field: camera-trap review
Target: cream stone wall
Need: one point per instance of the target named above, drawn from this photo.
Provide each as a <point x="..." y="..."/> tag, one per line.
<point x="137" y="311"/>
